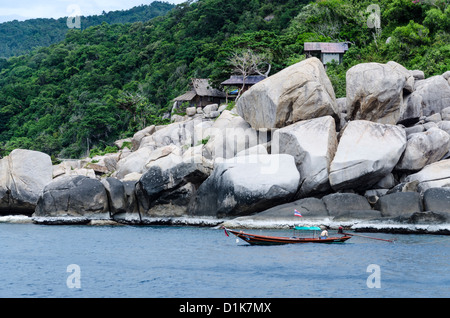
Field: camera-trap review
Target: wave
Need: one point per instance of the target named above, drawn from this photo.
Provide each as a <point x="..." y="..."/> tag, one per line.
<point x="21" y="219"/>
<point x="386" y="226"/>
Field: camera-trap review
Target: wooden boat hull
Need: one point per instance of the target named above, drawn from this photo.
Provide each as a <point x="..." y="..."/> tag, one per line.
<point x="275" y="240"/>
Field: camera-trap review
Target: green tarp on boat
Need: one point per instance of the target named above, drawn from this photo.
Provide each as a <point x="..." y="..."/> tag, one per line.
<point x="307" y="228"/>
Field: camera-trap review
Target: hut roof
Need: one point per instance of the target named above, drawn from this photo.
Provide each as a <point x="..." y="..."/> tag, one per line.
<point x="186" y="97"/>
<point x="239" y="80"/>
<point x="326" y="47"/>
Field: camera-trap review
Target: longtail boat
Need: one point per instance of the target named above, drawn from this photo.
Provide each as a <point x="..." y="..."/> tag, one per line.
<point x="254" y="239"/>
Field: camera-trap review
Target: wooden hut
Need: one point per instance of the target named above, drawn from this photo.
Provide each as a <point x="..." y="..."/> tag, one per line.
<point x="200" y="95"/>
<point x="238" y="82"/>
<point x="326" y="52"/>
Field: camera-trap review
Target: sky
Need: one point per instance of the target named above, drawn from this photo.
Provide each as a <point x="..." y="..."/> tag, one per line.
<point x="30" y="9"/>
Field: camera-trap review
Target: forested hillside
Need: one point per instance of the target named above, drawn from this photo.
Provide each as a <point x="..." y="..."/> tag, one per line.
<point x="17" y="38"/>
<point x="107" y="81"/>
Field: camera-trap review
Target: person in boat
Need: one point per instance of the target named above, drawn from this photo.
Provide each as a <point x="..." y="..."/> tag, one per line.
<point x="324" y="233"/>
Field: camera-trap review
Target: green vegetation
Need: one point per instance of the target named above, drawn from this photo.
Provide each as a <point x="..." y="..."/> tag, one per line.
<point x="17" y="38"/>
<point x="98" y="152"/>
<point x="107" y="81"/>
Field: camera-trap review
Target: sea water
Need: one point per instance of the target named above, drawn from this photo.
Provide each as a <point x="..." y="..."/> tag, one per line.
<point x="189" y="262"/>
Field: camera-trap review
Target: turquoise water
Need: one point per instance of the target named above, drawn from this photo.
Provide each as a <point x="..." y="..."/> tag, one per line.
<point x="189" y="262"/>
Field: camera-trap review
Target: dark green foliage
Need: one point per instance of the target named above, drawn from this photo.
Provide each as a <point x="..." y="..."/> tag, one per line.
<point x="106" y="82"/>
<point x="17" y="38"/>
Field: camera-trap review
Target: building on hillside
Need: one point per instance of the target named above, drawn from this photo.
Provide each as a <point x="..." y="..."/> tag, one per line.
<point x="326" y="52"/>
<point x="238" y="82"/>
<point x="200" y="95"/>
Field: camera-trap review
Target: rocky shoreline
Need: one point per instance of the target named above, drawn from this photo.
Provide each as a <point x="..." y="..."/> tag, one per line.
<point x="251" y="223"/>
<point x="377" y="160"/>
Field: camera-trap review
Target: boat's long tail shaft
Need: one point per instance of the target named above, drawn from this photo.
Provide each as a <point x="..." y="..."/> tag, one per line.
<point x="369" y="237"/>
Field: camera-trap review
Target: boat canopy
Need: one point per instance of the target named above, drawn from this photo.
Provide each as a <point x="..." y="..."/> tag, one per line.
<point x="307" y="228"/>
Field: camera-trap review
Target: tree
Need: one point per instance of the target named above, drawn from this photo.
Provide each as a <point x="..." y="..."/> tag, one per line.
<point x="248" y="63"/>
<point x="104" y="82"/>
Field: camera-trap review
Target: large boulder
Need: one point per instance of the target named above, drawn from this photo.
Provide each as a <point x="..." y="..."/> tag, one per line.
<point x="434" y="94"/>
<point x="130" y="195"/>
<point x="349" y="206"/>
<point x="180" y="134"/>
<point x="434" y="175"/>
<point x="399" y="204"/>
<point x="73" y="196"/>
<point x="117" y="197"/>
<point x="409" y="76"/>
<point x="375" y="91"/>
<point x="445" y="113"/>
<point x="134" y="162"/>
<point x="437" y="200"/>
<point x="424" y="148"/>
<point x="211" y="110"/>
<point x="136" y="140"/>
<point x="412" y="109"/>
<point x="300" y="92"/>
<point x="168" y="192"/>
<point x="418" y="75"/>
<point x="229" y="135"/>
<point x="23" y="176"/>
<point x="123" y="204"/>
<point x="247" y="184"/>
<point x="366" y="153"/>
<point x="444" y="125"/>
<point x="340" y="202"/>
<point x="313" y="144"/>
<point x="164" y="157"/>
<point x="140" y="161"/>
